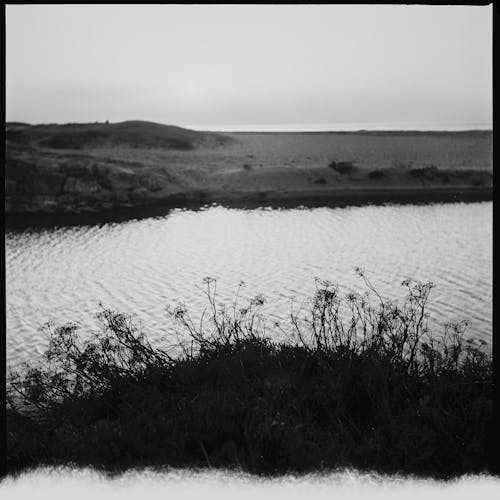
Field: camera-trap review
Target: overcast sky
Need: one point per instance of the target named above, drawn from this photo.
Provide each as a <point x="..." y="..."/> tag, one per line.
<point x="241" y="66"/>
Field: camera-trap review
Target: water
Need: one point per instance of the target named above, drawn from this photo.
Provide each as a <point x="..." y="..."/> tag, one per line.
<point x="61" y="274"/>
<point x="343" y="126"/>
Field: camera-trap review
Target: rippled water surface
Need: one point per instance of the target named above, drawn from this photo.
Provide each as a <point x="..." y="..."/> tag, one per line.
<point x="61" y="274"/>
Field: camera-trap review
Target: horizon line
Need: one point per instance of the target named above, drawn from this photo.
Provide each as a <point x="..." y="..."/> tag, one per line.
<point x="298" y="128"/>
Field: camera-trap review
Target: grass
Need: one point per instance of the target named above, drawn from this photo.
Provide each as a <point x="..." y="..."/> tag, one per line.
<point x="133" y="134"/>
<point x="360" y="382"/>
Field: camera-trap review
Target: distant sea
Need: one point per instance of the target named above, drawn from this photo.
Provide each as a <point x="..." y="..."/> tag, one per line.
<point x="342" y="127"/>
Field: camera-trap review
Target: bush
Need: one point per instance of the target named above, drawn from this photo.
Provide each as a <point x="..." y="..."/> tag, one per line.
<point x="444" y="177"/>
<point x="429" y="172"/>
<point x="377" y="174"/>
<point x="343" y="167"/>
<point x="320" y="180"/>
<point x="357" y="384"/>
<point x="477" y="180"/>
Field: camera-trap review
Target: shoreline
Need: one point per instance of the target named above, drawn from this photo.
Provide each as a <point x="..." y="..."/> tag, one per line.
<point x="280" y="199"/>
<point x="87" y="173"/>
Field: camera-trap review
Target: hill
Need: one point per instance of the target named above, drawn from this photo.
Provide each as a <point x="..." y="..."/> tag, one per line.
<point x="133" y="134"/>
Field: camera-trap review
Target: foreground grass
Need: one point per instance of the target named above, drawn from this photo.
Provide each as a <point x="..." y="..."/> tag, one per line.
<point x="357" y="385"/>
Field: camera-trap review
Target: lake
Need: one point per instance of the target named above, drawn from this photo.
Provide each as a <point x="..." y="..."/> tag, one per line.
<point x="62" y="274"/>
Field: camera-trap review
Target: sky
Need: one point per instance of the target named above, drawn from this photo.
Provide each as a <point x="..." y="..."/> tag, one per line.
<point x="251" y="67"/>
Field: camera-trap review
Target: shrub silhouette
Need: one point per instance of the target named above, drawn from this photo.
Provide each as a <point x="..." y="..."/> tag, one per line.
<point x="377" y="174"/>
<point x="361" y="382"/>
<point x="343" y="167"/>
<point x="477" y="180"/>
<point x="425" y="173"/>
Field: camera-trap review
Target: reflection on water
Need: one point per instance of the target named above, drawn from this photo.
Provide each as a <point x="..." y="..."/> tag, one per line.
<point x="140" y="266"/>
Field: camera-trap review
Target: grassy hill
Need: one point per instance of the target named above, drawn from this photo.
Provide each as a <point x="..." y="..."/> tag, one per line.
<point x="129" y="133"/>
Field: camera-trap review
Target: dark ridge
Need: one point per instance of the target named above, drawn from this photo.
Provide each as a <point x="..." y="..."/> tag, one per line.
<point x="135" y="134"/>
<point x="17" y="124"/>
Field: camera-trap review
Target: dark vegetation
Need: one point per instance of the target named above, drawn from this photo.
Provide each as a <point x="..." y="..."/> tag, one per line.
<point x="320" y="180"/>
<point x="134" y="134"/>
<point x="357" y="384"/>
<point x="343" y="167"/>
<point x="377" y="174"/>
<point x="431" y="173"/>
<point x="479" y="180"/>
